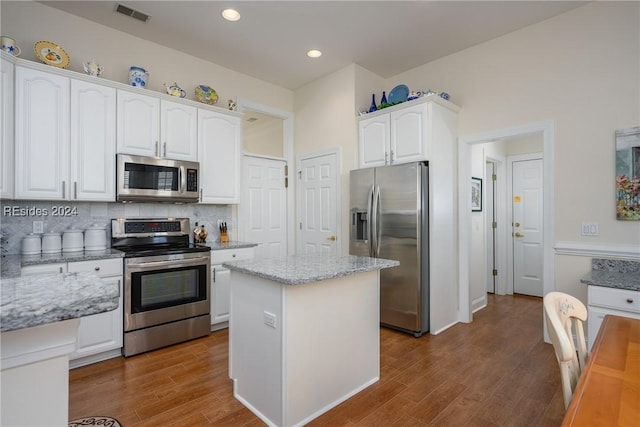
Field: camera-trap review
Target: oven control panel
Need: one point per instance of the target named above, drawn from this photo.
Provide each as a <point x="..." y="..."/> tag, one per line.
<point x="149" y="227"/>
<point x="152" y="227"/>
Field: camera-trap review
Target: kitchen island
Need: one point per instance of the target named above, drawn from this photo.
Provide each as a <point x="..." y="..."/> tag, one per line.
<point x="303" y="333"/>
<point x="39" y="321"/>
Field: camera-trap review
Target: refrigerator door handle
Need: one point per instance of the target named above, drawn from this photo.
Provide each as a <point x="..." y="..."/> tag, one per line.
<point x="369" y="220"/>
<point x="376" y="222"/>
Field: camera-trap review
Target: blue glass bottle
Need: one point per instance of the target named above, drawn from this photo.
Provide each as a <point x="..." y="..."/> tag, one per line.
<point x="373" y="103"/>
<point x="384" y="98"/>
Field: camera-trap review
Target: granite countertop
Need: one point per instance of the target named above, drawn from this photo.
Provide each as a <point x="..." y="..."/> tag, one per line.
<point x="216" y="246"/>
<point x="611" y="273"/>
<point x="46" y="298"/>
<point x="300" y="269"/>
<point x="11" y="264"/>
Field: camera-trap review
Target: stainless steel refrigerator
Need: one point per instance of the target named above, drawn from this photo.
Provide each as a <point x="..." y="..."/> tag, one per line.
<point x="390" y="219"/>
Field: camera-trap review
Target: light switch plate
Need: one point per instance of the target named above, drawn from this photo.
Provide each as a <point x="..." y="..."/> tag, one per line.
<point x="590" y="229"/>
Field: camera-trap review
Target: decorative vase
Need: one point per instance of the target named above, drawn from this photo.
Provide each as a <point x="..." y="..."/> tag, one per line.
<point x="138" y="77"/>
<point x="384" y="98"/>
<point x="373" y="103"/>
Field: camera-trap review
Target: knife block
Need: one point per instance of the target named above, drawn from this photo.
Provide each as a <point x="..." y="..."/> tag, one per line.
<point x="224" y="237"/>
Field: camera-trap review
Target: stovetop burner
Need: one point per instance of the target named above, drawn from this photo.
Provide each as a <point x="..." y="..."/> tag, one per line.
<point x="150" y="237"/>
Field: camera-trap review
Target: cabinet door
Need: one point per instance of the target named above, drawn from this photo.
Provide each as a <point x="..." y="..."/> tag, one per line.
<point x="220" y="294"/>
<point x="408" y="134"/>
<point x="178" y="130"/>
<point x="93" y="142"/>
<point x="373" y="141"/>
<point x="100" y="332"/>
<point x="43" y="269"/>
<point x="138" y="128"/>
<point x="6" y="129"/>
<point x="595" y="317"/>
<point x="41" y="135"/>
<point x="219" y="147"/>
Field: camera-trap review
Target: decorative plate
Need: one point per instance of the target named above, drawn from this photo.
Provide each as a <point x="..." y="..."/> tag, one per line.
<point x="51" y="54"/>
<point x="398" y="94"/>
<point x="206" y="94"/>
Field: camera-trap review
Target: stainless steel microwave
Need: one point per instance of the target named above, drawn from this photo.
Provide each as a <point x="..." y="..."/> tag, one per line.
<point x="155" y="179"/>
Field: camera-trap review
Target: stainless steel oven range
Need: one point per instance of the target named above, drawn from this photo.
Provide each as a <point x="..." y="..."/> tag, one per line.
<point x="166" y="283"/>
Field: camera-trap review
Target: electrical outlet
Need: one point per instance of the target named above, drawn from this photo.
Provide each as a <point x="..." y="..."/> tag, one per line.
<point x="38" y="227"/>
<point x="590" y="229"/>
<point x="269" y="319"/>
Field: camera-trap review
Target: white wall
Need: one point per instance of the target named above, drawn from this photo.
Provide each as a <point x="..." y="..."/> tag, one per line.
<point x="27" y="22"/>
<point x="581" y="70"/>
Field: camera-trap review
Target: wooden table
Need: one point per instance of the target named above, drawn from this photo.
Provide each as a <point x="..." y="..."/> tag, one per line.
<point x="608" y="393"/>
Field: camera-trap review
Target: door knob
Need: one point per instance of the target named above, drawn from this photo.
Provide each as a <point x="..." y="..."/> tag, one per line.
<point x="518" y="234"/>
<point x="332" y="238"/>
<point x="517" y="224"/>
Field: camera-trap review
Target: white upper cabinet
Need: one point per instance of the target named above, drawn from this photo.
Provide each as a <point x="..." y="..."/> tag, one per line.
<point x="219" y="146"/>
<point x="65" y="138"/>
<point x="6" y="129"/>
<point x="374" y="140"/>
<point x="402" y="133"/>
<point x="138" y="129"/>
<point x="93" y="141"/>
<point x="178" y="131"/>
<point x="148" y="126"/>
<point x="41" y="135"/>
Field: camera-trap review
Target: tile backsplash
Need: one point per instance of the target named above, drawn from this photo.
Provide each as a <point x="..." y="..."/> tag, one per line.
<point x="17" y="217"/>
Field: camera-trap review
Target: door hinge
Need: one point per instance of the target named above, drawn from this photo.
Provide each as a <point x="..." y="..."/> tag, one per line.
<point x="300" y="226"/>
<point x="286" y="182"/>
<point x="300" y="175"/>
<point x="286" y="170"/>
<point x="494" y="177"/>
<point x="494" y="272"/>
<point x="494" y="224"/>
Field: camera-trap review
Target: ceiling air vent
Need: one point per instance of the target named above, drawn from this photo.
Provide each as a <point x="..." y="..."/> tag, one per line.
<point x="136" y="14"/>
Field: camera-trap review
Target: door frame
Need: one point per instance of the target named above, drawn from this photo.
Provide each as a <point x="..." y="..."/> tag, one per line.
<point x="287" y="149"/>
<point x="337" y="151"/>
<point x="546" y="128"/>
<point x="510" y="260"/>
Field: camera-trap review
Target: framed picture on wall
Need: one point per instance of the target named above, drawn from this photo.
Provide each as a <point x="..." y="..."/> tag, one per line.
<point x="476" y="194"/>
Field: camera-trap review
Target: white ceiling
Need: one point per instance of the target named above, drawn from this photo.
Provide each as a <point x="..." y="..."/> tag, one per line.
<point x="271" y="39"/>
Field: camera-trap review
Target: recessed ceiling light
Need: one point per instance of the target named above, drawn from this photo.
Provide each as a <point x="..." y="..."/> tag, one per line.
<point x="231" y="15"/>
<point x="313" y="53"/>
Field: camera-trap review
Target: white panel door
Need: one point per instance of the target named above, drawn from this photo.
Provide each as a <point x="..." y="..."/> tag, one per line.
<point x="41" y="135"/>
<point x="527" y="227"/>
<point x="263" y="206"/>
<point x="93" y="142"/>
<point x="178" y="131"/>
<point x="318" y="204"/>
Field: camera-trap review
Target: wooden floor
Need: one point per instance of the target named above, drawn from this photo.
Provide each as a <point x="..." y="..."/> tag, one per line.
<point x="496" y="371"/>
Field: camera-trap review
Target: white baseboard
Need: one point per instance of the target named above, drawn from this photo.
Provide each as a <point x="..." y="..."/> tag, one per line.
<point x="598" y="250"/>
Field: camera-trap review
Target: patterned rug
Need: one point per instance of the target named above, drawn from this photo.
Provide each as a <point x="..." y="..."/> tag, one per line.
<point x="95" y="421"/>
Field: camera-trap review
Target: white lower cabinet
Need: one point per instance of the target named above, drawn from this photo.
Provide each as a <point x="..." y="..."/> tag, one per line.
<point x="100" y="335"/>
<point x="221" y="283"/>
<point x="603" y="301"/>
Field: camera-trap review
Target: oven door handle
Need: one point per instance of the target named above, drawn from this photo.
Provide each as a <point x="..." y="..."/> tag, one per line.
<point x="173" y="263"/>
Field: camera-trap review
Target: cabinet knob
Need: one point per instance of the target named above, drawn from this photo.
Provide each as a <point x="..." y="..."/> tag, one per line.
<point x="96" y="268"/>
<point x="234" y="255"/>
<point x="630" y="300"/>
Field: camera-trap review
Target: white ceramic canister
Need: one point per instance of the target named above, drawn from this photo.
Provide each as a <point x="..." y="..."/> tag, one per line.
<point x="73" y="240"/>
<point x="95" y="238"/>
<point x="51" y="243"/>
<point x="31" y="244"/>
